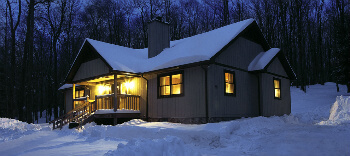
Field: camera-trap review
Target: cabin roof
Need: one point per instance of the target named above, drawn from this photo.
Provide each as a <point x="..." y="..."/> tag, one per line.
<point x="264" y="59"/>
<point x="193" y="49"/>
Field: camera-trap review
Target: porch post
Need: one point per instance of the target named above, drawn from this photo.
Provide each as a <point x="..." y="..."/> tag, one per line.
<point x="115" y="101"/>
<point x="73" y="95"/>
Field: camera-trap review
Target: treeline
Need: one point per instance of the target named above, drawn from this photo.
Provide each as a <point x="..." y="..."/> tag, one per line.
<point x="41" y="38"/>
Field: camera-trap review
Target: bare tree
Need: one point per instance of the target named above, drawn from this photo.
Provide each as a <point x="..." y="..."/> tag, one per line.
<point x="56" y="24"/>
<point x="13" y="27"/>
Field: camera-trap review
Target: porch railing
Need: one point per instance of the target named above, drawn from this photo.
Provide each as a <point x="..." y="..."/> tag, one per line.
<point x="129" y="102"/>
<point x="82" y="112"/>
<point x="78" y="114"/>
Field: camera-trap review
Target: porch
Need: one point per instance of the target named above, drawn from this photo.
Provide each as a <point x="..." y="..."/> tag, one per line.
<point x="117" y="92"/>
<point x="110" y="96"/>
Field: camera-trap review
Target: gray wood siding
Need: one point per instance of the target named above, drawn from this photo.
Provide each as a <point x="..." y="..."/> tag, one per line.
<point x="277" y="68"/>
<point x="68" y="95"/>
<point x="240" y="53"/>
<point x="244" y="104"/>
<point x="90" y="69"/>
<point x="192" y="104"/>
<point x="270" y="105"/>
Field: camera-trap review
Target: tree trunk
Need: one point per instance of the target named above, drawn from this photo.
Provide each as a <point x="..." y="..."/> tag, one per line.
<point x="29" y="44"/>
<point x="55" y="78"/>
<point x="13" y="105"/>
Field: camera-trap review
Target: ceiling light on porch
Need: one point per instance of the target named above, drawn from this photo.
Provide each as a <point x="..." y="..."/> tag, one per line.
<point x="102" y="89"/>
<point x="129" y="85"/>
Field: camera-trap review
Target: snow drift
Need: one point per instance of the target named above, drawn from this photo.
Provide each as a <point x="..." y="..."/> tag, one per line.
<point x="169" y="145"/>
<point x="300" y="133"/>
<point x="340" y="112"/>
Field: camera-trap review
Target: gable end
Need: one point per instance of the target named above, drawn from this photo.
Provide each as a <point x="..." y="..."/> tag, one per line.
<point x="251" y="32"/>
<point x="87" y="53"/>
<point x="285" y="64"/>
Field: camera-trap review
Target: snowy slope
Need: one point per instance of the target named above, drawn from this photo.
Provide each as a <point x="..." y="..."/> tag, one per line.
<point x="319" y="125"/>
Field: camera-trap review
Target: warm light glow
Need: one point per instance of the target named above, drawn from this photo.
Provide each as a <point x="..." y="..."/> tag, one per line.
<point x="176" y="79"/>
<point x="129" y="85"/>
<point x="229" y="82"/>
<point x="276" y="83"/>
<point x="277" y="86"/>
<point x="103" y="89"/>
<point x="165" y="90"/>
<point x="176" y="89"/>
<point x="277" y="93"/>
<point x="171" y="85"/>
<point x="229" y="88"/>
<point x="228" y="78"/>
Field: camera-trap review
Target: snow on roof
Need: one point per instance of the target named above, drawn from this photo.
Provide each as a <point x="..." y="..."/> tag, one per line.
<point x="66" y="86"/>
<point x="188" y="50"/>
<point x="261" y="60"/>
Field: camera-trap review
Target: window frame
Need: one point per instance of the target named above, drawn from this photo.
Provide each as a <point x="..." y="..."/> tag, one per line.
<point x="280" y="88"/>
<point x="234" y="83"/>
<point x="170" y="82"/>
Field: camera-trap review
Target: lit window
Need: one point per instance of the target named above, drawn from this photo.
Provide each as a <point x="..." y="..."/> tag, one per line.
<point x="165" y="85"/>
<point x="171" y="85"/>
<point x="79" y="93"/>
<point x="277" y="87"/>
<point x="230" y="87"/>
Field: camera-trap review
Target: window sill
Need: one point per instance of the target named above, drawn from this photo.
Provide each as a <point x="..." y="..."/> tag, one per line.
<point x="230" y="94"/>
<point x="170" y="96"/>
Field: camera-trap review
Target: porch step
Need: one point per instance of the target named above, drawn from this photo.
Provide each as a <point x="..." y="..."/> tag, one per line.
<point x="80" y="115"/>
<point x="73" y="125"/>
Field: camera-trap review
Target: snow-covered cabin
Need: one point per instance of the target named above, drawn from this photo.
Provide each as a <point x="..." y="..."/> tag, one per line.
<point x="224" y="74"/>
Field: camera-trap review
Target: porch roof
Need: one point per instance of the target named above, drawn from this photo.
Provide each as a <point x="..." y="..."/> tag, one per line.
<point x="67" y="86"/>
<point x="264" y="59"/>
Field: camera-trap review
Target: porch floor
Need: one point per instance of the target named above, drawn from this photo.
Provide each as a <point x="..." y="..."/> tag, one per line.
<point x="119" y="114"/>
<point x="110" y="111"/>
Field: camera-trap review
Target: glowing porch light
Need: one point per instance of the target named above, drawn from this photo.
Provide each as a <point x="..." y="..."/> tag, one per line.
<point x="101" y="89"/>
<point x="129" y="85"/>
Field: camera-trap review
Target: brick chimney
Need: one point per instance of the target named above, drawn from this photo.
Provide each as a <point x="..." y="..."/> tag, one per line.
<point x="158" y="37"/>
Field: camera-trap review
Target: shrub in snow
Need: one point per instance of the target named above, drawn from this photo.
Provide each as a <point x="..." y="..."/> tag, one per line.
<point x="340" y="112"/>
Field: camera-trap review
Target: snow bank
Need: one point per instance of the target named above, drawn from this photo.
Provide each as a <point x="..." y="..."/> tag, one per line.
<point x="12" y="129"/>
<point x="13" y="124"/>
<point x="313" y="106"/>
<point x="340" y="112"/>
<point x="300" y="133"/>
<point x="169" y="145"/>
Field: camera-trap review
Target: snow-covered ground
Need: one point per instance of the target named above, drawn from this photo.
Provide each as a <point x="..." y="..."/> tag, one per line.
<point x="319" y="125"/>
